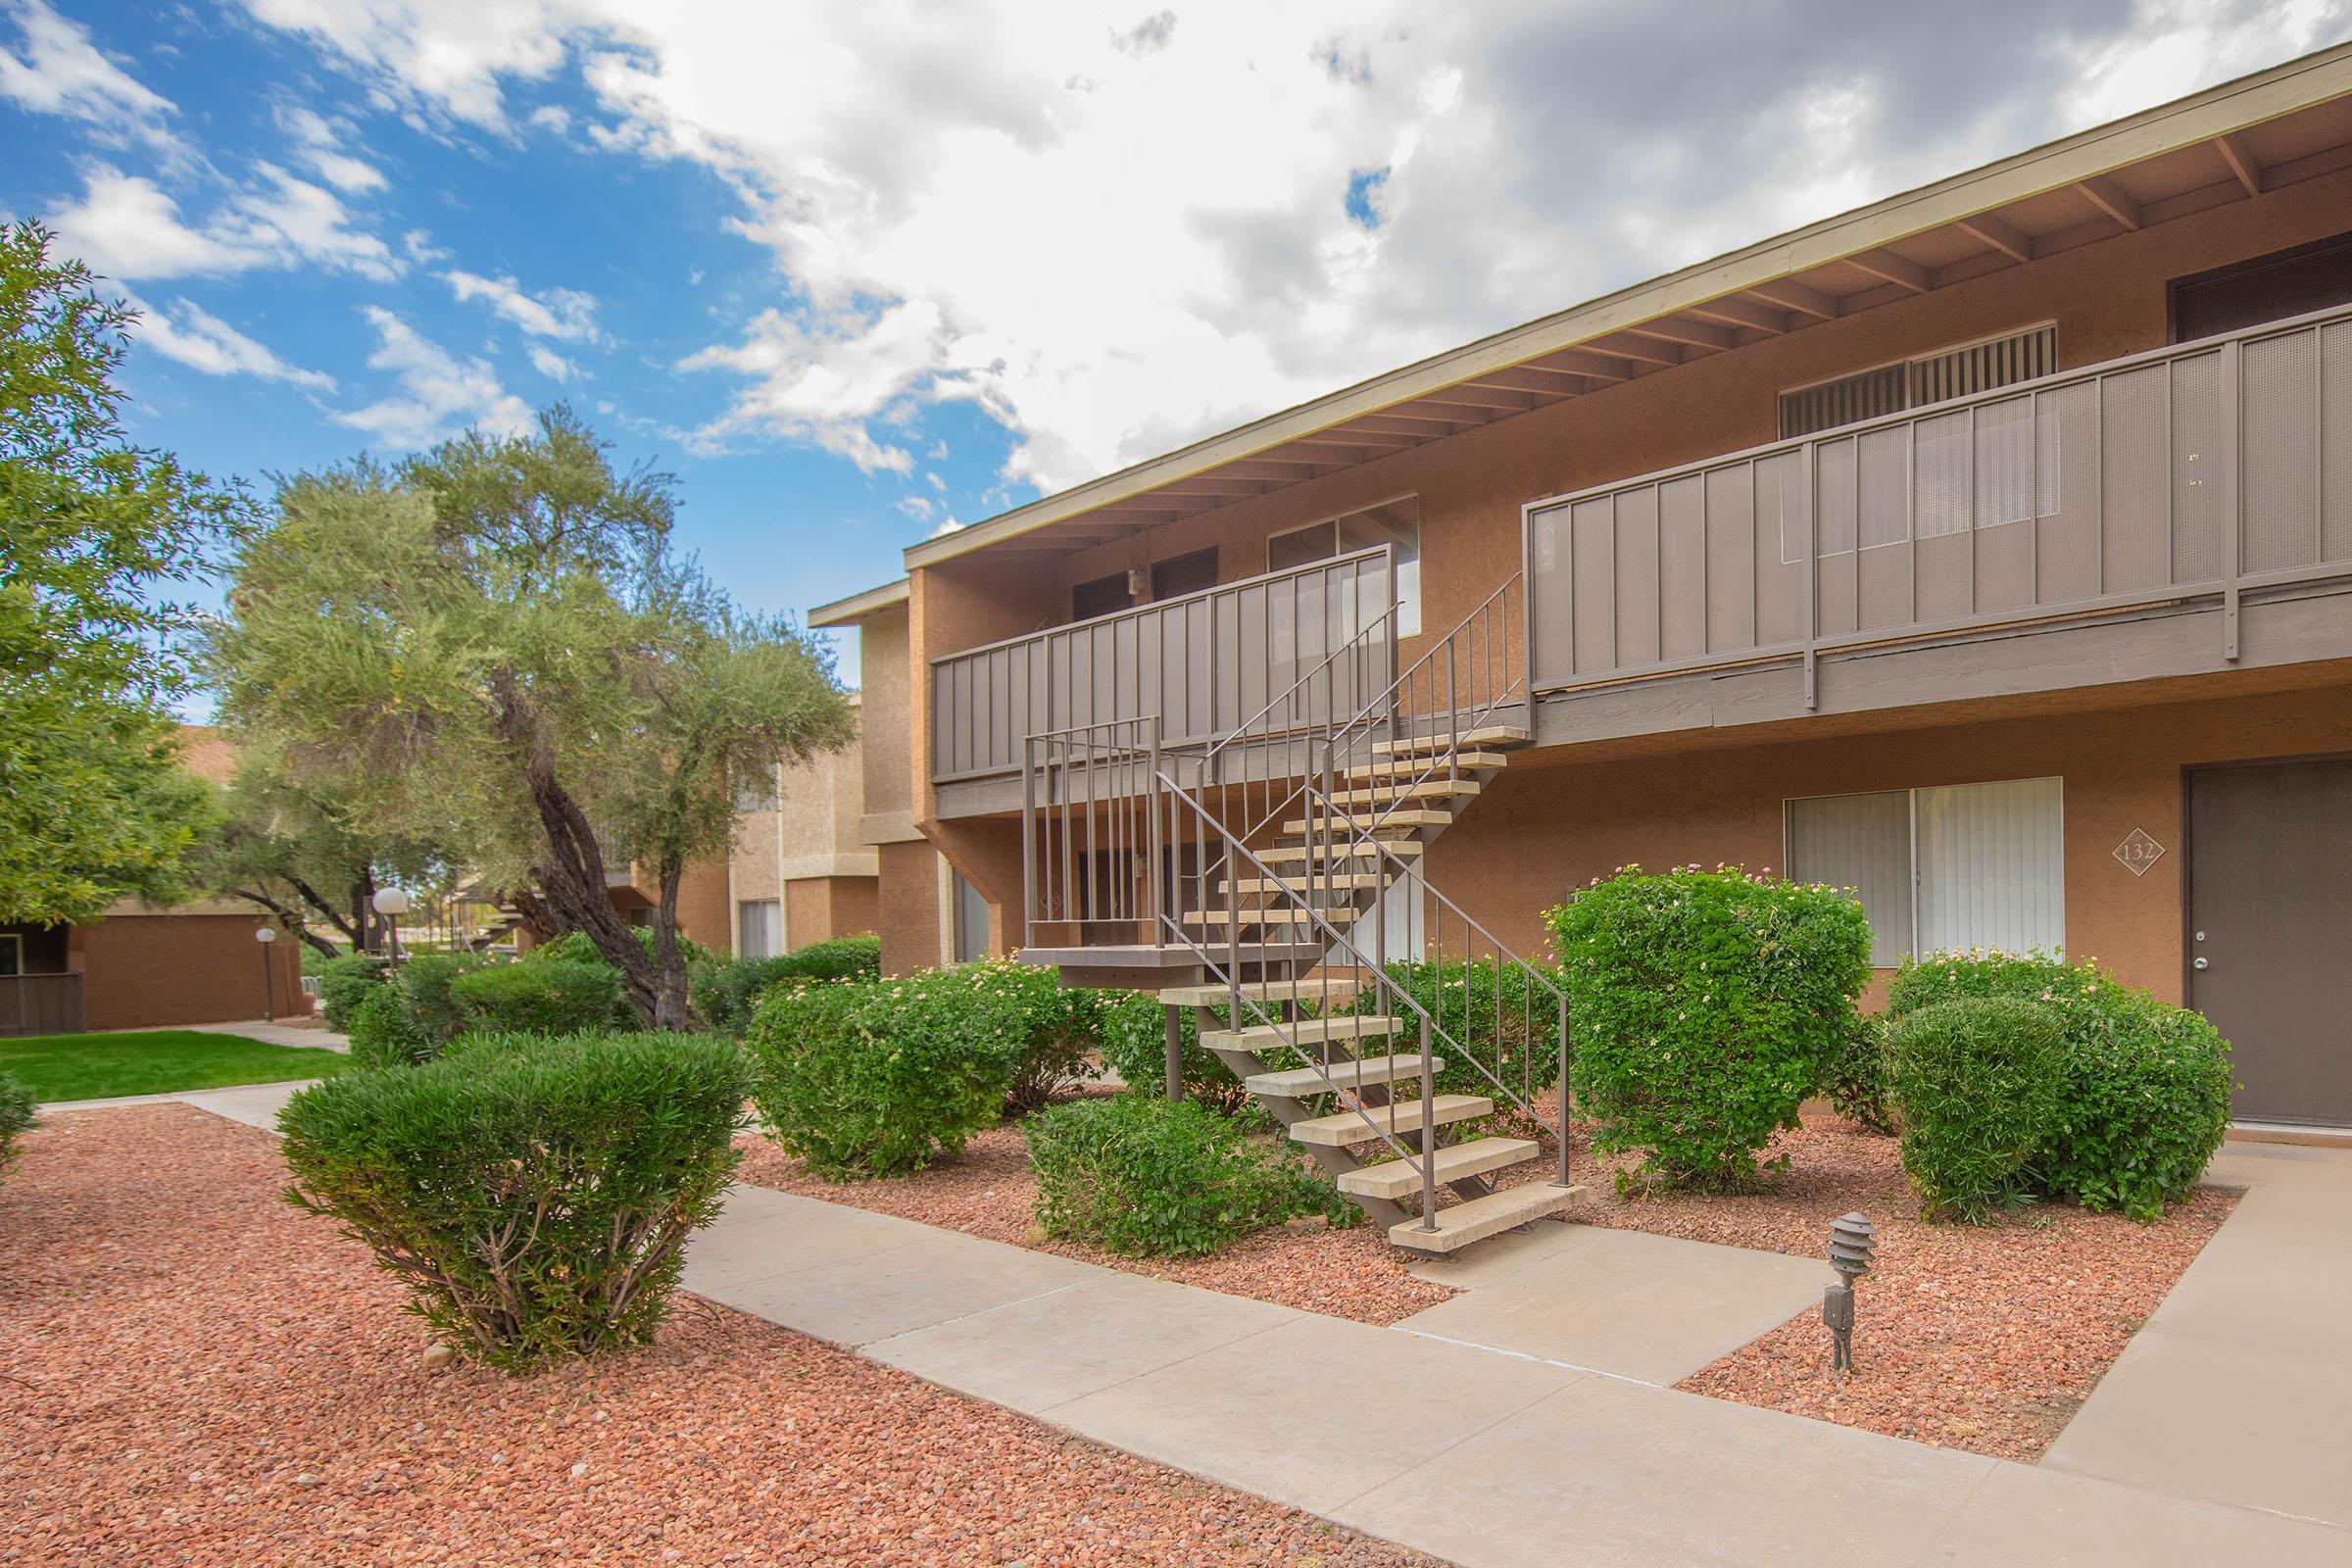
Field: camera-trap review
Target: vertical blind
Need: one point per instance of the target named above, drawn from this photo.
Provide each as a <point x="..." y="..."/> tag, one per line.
<point x="1941" y="869"/>
<point x="758" y="928"/>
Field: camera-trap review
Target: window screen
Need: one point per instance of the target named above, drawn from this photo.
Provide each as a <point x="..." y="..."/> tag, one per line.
<point x="1938" y="870"/>
<point x="1917" y="382"/>
<point x="758" y="928"/>
<point x="972" y="921"/>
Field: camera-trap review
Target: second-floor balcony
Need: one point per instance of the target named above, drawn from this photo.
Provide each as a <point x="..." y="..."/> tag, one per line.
<point x="2140" y="507"/>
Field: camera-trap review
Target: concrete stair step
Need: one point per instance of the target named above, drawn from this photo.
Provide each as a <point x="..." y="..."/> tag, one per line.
<point x="1338" y="994"/>
<point x="1303" y="1083"/>
<point x="1481" y="1217"/>
<point x="1285" y="915"/>
<point x="1347" y="881"/>
<point x="1394" y="766"/>
<point x="1348" y="1127"/>
<point x="1395" y="1179"/>
<point x="1485" y="735"/>
<point x="1340" y="849"/>
<point x="1403" y="821"/>
<point x="1428" y="789"/>
<point x="1302" y="1031"/>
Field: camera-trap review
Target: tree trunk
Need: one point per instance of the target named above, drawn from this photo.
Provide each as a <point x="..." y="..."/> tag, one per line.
<point x="674" y="1005"/>
<point x="289" y="920"/>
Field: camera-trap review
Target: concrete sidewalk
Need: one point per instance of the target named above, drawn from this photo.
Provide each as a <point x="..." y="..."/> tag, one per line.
<point x="1487" y="1457"/>
<point x="2238" y="1386"/>
<point x="254" y="1104"/>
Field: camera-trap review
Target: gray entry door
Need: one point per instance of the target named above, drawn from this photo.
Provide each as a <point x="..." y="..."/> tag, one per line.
<point x="2269" y="872"/>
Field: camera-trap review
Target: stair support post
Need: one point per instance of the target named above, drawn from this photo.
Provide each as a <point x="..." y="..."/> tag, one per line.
<point x="1429" y="1134"/>
<point x="1563" y="1091"/>
<point x="1175" y="1055"/>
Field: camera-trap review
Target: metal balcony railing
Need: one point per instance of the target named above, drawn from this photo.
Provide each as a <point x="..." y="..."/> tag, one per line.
<point x="2214" y="467"/>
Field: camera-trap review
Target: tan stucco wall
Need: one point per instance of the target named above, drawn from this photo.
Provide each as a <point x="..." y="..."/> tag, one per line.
<point x="148" y="972"/>
<point x="811" y="839"/>
<point x="907" y="906"/>
<point x="818" y="909"/>
<point x="1550" y="822"/>
<point x="2108" y="299"/>
<point x="703" y="910"/>
<point x="885" y="699"/>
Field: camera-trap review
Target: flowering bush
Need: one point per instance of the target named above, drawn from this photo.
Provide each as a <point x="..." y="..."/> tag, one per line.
<point x="2143" y="1088"/>
<point x="1703" y="1005"/>
<point x="1978" y="1080"/>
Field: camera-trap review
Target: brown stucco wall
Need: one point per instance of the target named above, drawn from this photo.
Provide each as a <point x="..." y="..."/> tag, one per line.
<point x="705" y="911"/>
<point x="1550" y="822"/>
<point x="907" y="906"/>
<point x="885" y="712"/>
<point x="818" y="909"/>
<point x="2108" y="299"/>
<point x="148" y="971"/>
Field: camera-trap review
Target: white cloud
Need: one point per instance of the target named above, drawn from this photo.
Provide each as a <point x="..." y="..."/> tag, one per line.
<point x="129" y="228"/>
<point x="564" y="314"/>
<point x="61" y="72"/>
<point x="319" y="145"/>
<point x="947" y="527"/>
<point x="439" y="393"/>
<point x="548" y="363"/>
<point x="196" y="337"/>
<point x="919" y="507"/>
<point x="1114" y="235"/>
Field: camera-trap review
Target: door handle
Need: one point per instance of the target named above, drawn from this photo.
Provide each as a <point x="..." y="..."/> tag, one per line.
<point x="2203" y="963"/>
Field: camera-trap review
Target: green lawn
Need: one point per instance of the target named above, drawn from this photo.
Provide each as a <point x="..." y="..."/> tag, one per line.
<point x="159" y="1061"/>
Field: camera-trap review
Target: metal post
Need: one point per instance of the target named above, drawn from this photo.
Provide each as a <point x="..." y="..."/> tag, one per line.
<point x="1563" y="1092"/>
<point x="1429" y="1134"/>
<point x="1175" y="1055"/>
<point x="268" y="984"/>
<point x="1028" y="841"/>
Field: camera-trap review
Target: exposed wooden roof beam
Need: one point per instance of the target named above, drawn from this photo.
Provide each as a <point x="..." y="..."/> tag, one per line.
<point x="1889" y="268"/>
<point x="1470" y="395"/>
<point x="1279" y="471"/>
<point x="1623" y="346"/>
<point x="1791" y="295"/>
<point x="1698" y="334"/>
<point x="1360" y="444"/>
<point x="2241" y="163"/>
<point x="1215" y="484"/>
<point x="2001" y="235"/>
<point x="2109" y="197"/>
<point x="1582" y="362"/>
<point x="1543" y="382"/>
<point x="1733" y="311"/>
<point x="1432" y="423"/>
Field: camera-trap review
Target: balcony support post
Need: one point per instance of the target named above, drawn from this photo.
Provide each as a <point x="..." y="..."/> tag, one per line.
<point x="2233" y="512"/>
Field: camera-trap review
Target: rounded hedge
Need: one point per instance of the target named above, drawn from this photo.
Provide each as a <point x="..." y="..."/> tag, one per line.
<point x="1854" y="1079"/>
<point x="344" y="983"/>
<point x="542" y="996"/>
<point x="2143" y="1089"/>
<point x="1150" y="1177"/>
<point x="724" y="994"/>
<point x="1703" y="1006"/>
<point x="1977" y="1082"/>
<point x="536" y="1200"/>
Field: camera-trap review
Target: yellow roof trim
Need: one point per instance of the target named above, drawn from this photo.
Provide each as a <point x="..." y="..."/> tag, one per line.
<point x="2218" y="111"/>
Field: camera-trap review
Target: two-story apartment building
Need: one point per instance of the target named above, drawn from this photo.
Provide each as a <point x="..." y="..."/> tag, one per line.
<point x="1988" y="549"/>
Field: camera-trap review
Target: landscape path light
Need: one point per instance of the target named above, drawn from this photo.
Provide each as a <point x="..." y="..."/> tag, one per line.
<point x="267" y="935"/>
<point x="1853" y="1240"/>
<point x="392" y="903"/>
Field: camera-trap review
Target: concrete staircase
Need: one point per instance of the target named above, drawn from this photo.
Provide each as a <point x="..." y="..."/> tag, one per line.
<point x="1358" y="1104"/>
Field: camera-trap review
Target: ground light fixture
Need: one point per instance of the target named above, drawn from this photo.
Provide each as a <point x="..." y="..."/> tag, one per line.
<point x="1853" y="1240"/>
<point x="266" y="936"/>
<point x="392" y="903"/>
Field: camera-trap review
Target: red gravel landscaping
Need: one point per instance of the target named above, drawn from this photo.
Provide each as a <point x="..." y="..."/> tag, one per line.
<point x="197" y="1374"/>
<point x="1983" y="1338"/>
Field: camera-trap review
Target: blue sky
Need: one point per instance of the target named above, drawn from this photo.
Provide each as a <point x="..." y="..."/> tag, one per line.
<point x="858" y="274"/>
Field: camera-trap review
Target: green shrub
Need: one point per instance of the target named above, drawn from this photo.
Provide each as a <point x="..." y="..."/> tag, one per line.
<point x="1977" y="1079"/>
<point x="1133" y="1044"/>
<point x="17" y="1107"/>
<point x="344" y="982"/>
<point x="535" y="1202"/>
<point x="1060" y="1028"/>
<point x="1854" y="1078"/>
<point x="878" y="1077"/>
<point x="384" y="1032"/>
<point x="1512" y="1024"/>
<point x="2144" y="1092"/>
<point x="578" y="947"/>
<point x="554" y="997"/>
<point x="724" y="994"/>
<point x="1703" y="1006"/>
<point x="1150" y="1177"/>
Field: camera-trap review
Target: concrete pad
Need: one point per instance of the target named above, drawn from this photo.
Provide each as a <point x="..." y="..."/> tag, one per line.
<point x="1051" y="1348"/>
<point x="1650" y="1307"/>
<point x="761" y="1235"/>
<point x="891" y="1290"/>
<point x="257" y="1107"/>
<point x="2041" y="1518"/>
<point x="309" y="1038"/>
<point x="1608" y="1472"/>
<point x="1312" y="1412"/>
<point x="2260" y="1425"/>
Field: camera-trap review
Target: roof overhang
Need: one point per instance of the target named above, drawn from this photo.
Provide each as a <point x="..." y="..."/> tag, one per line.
<point x="2230" y="142"/>
<point x="857" y="606"/>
